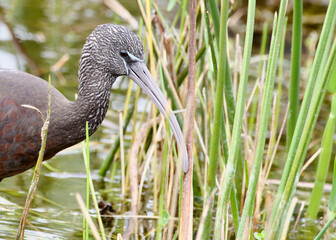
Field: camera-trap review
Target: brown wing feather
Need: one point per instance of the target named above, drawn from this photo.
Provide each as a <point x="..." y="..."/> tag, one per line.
<point x="18" y="148"/>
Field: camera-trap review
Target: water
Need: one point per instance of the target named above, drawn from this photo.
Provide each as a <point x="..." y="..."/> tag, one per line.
<point x="46" y="32"/>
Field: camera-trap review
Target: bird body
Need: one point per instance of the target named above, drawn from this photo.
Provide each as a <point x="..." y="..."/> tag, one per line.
<point x="20" y="139"/>
<point x="110" y="51"/>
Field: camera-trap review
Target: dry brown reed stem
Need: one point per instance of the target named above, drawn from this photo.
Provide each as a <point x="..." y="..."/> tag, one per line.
<point x="268" y="206"/>
<point x="168" y="51"/>
<point x="268" y="163"/>
<point x="30" y="196"/>
<point x="249" y="150"/>
<point x="303" y="203"/>
<point x="133" y="175"/>
<point x="311" y="160"/>
<point x="158" y="51"/>
<point x="288" y="218"/>
<point x="174" y="199"/>
<point x="204" y="214"/>
<point x="170" y="183"/>
<point x="262" y="180"/>
<point x="56" y="68"/>
<point x="185" y="231"/>
<point x="269" y="158"/>
<point x="260" y="97"/>
<point x="87" y="216"/>
<point x="119" y="9"/>
<point x="60" y="62"/>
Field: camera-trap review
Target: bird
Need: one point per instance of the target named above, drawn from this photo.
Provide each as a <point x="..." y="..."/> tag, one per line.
<point x="110" y="51"/>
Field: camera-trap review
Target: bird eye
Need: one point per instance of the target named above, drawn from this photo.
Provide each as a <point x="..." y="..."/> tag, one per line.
<point x="123" y="53"/>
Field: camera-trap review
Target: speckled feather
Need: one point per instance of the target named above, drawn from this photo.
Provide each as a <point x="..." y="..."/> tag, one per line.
<point x="20" y="127"/>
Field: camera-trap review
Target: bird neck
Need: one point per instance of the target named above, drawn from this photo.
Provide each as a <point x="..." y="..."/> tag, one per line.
<point x="93" y="95"/>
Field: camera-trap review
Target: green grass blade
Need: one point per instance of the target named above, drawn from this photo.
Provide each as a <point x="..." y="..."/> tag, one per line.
<point x="280" y="203"/>
<point x="38" y="167"/>
<point x="214" y="144"/>
<point x="161" y="223"/>
<point x="109" y="159"/>
<point x="264" y="117"/>
<point x="330" y="221"/>
<point x="227" y="177"/>
<point x="332" y="200"/>
<point x="93" y="193"/>
<point x="210" y="38"/>
<point x="254" y="106"/>
<point x="217" y="21"/>
<point x="85" y="222"/>
<point x="286" y="191"/>
<point x="294" y="85"/>
<point x="332" y="83"/>
<point x="323" y="164"/>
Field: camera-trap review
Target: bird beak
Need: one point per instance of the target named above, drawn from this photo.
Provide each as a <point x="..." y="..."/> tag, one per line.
<point x="140" y="74"/>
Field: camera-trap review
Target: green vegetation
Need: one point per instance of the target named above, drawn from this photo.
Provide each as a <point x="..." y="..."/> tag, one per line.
<point x="265" y="103"/>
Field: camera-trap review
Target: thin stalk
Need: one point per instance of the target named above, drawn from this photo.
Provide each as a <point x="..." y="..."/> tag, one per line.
<point x="167" y="25"/>
<point x="213" y="159"/>
<point x="155" y="155"/>
<point x="149" y="35"/>
<point x="234" y="192"/>
<point x="93" y="193"/>
<point x="264" y="117"/>
<point x="87" y="217"/>
<point x="301" y="148"/>
<point x="210" y="38"/>
<point x="324" y="229"/>
<point x="128" y="98"/>
<point x="280" y="80"/>
<point x="85" y="222"/>
<point x="254" y="106"/>
<point x="217" y="21"/>
<point x="163" y="173"/>
<point x="229" y="96"/>
<point x="324" y="162"/>
<point x="231" y="109"/>
<point x="109" y="159"/>
<point x="228" y="175"/>
<point x="184" y="73"/>
<point x="182" y="23"/>
<point x="332" y="199"/>
<point x="280" y="203"/>
<point x="332" y="84"/>
<point x="122" y="157"/>
<point x="38" y="167"/>
<point x="186" y="218"/>
<point x="263" y="44"/>
<point x="294" y="85"/>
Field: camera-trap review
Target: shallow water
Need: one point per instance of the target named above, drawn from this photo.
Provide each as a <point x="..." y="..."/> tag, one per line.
<point x="46" y="31"/>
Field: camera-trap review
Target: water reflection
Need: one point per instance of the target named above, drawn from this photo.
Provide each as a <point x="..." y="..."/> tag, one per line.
<point x="34" y="35"/>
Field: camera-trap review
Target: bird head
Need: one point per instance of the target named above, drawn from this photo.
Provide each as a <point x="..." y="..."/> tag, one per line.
<point x="115" y="50"/>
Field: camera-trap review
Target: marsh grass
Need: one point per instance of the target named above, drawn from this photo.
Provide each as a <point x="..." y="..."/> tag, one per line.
<point x="233" y="154"/>
<point x="38" y="167"/>
<point x="90" y="191"/>
<point x="239" y="133"/>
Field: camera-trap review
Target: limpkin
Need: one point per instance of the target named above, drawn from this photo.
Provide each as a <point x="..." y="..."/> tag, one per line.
<point x="110" y="51"/>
